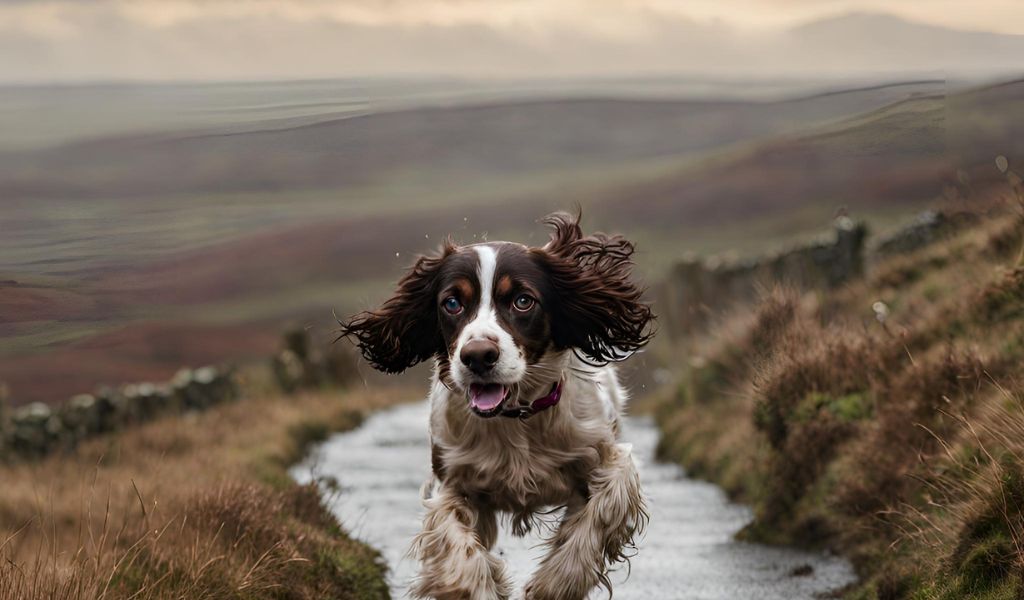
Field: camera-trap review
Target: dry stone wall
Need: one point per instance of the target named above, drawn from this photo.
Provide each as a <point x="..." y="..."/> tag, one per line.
<point x="36" y="429"/>
<point x="699" y="290"/>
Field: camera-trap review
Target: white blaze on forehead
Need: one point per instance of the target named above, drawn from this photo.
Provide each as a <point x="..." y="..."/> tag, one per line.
<point x="485" y="272"/>
<point x="511" y="365"/>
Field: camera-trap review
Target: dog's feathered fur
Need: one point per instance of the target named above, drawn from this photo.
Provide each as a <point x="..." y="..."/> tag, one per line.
<point x="589" y="313"/>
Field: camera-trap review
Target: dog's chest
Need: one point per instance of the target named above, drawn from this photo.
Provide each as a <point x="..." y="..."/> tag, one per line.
<point x="517" y="469"/>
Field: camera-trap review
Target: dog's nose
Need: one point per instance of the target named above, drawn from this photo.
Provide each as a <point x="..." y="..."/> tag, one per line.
<point x="479" y="356"/>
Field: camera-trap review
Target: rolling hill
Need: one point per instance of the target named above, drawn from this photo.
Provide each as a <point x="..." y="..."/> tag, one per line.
<point x="132" y="240"/>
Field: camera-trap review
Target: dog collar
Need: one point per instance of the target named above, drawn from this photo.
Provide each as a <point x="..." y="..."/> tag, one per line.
<point x="538" y="405"/>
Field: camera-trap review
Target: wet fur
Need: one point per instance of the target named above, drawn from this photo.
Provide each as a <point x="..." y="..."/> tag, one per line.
<point x="567" y="456"/>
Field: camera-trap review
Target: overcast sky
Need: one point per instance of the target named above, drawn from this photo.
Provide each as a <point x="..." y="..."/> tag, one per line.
<point x="244" y="39"/>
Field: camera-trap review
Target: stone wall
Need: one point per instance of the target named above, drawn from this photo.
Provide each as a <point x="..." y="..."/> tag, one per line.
<point x="929" y="227"/>
<point x="37" y="429"/>
<point x="697" y="290"/>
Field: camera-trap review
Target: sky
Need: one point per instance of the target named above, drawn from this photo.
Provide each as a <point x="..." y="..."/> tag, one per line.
<point x="57" y="40"/>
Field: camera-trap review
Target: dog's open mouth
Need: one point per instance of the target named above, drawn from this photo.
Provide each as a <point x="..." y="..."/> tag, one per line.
<point x="486" y="398"/>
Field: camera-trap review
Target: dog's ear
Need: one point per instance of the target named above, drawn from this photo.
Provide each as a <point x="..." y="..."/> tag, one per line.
<point x="404" y="330"/>
<point x="598" y="308"/>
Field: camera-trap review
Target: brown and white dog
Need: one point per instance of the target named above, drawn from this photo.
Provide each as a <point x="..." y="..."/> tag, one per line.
<point x="526" y="333"/>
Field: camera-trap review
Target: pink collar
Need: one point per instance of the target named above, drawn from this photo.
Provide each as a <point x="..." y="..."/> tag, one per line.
<point x="538" y="405"/>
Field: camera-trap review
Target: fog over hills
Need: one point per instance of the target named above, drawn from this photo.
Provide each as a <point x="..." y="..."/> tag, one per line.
<point x="859" y="40"/>
<point x="247" y="46"/>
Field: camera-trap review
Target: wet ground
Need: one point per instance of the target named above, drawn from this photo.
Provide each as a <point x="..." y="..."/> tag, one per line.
<point x="688" y="551"/>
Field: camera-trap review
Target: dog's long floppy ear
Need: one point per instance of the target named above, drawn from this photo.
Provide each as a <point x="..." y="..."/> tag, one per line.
<point x="600" y="311"/>
<point x="404" y="330"/>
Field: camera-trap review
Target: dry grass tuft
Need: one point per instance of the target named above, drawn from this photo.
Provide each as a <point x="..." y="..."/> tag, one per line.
<point x="881" y="420"/>
<point x="193" y="507"/>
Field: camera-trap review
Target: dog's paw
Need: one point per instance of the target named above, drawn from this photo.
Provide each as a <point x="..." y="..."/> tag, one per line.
<point x="433" y="590"/>
<point x="477" y="575"/>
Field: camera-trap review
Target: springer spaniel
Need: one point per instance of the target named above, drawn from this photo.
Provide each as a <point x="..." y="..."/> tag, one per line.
<point x="525" y="406"/>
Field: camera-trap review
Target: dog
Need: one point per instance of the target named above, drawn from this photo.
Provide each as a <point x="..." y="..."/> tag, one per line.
<point x="525" y="405"/>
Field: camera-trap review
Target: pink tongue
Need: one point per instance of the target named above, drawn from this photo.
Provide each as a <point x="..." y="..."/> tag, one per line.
<point x="486" y="397"/>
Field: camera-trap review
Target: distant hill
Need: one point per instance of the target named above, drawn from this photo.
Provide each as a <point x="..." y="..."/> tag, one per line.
<point x="886" y="42"/>
<point x="125" y="243"/>
<point x="475" y="141"/>
<point x="889" y="157"/>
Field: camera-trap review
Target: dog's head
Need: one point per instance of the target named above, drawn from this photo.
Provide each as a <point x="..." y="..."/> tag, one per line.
<point x="499" y="317"/>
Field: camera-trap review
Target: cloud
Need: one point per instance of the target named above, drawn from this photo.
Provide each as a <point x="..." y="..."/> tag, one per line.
<point x="235" y="40"/>
<point x="259" y="39"/>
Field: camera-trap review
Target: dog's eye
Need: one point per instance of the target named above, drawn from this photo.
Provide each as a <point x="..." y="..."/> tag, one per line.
<point x="523" y="302"/>
<point x="452" y="305"/>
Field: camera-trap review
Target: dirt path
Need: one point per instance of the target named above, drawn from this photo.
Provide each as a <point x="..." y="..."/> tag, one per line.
<point x="688" y="552"/>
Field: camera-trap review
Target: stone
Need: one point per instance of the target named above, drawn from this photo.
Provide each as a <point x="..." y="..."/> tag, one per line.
<point x="110" y="409"/>
<point x="188" y="393"/>
<point x="215" y="385"/>
<point x="81" y="417"/>
<point x="34" y="430"/>
<point x="159" y="398"/>
<point x="145" y="401"/>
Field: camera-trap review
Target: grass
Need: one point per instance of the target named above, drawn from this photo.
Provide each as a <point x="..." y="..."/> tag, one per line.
<point x="199" y="506"/>
<point x="896" y="440"/>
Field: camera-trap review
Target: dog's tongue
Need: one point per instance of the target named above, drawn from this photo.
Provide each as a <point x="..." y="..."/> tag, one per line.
<point x="486" y="397"/>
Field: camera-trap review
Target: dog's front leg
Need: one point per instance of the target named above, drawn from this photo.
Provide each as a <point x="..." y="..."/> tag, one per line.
<point x="595" y="534"/>
<point x="455" y="562"/>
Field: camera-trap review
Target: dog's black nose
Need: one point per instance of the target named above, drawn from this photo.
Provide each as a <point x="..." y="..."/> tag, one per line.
<point x="479" y="355"/>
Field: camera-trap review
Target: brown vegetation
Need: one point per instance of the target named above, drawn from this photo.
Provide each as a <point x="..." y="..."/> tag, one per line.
<point x="189" y="507"/>
<point x="338" y="200"/>
<point x="140" y="352"/>
<point x="882" y="420"/>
